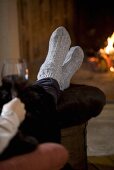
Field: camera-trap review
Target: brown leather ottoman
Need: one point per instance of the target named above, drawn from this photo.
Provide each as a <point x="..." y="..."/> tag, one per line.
<point x="76" y="106"/>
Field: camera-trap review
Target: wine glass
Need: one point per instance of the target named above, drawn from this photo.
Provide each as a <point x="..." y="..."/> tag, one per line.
<point x="14" y="72"/>
<point x="15" y="67"/>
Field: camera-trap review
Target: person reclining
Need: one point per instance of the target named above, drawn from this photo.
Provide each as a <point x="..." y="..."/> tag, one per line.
<point x="39" y="99"/>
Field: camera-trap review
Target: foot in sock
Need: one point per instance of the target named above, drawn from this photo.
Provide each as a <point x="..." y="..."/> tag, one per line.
<point x="59" y="45"/>
<point x="72" y="63"/>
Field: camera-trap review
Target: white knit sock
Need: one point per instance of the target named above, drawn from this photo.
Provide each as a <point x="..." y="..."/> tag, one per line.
<point x="59" y="45"/>
<point x="71" y="64"/>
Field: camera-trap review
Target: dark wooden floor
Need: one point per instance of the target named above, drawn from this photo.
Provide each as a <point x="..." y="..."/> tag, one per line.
<point x="101" y="163"/>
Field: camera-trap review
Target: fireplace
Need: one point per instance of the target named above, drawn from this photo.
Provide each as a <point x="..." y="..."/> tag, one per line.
<point x="104" y="57"/>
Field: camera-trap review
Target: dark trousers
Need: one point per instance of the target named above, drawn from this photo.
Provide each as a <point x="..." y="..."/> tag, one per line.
<point x="43" y="121"/>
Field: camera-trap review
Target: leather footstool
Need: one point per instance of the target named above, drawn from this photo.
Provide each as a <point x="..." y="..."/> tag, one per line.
<point x="77" y="105"/>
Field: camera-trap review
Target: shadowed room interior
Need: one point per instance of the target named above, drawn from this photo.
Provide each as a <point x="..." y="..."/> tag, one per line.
<point x="89" y="24"/>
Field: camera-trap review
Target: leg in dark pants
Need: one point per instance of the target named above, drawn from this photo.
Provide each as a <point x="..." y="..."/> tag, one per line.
<point x="41" y="102"/>
<point x="41" y="122"/>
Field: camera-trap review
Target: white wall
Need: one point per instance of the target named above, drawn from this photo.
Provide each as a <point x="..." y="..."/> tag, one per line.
<point x="9" y="40"/>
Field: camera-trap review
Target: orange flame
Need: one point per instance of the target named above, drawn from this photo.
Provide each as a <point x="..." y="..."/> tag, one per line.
<point x="108" y="52"/>
<point x="109" y="48"/>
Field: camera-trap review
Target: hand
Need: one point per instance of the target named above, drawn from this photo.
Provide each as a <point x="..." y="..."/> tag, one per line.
<point x="15" y="105"/>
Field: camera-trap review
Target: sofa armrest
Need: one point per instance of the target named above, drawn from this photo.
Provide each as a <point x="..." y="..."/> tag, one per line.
<point x="48" y="156"/>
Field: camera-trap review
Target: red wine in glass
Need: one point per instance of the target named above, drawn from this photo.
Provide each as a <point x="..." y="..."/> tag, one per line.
<point x="14" y="72"/>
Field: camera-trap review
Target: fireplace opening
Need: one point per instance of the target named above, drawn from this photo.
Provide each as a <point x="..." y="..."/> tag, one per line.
<point x="104" y="58"/>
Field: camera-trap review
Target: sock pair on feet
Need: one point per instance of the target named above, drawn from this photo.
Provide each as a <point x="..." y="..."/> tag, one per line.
<point x="61" y="61"/>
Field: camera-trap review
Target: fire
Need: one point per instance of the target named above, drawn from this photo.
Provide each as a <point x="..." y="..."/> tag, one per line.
<point x="108" y="52"/>
<point x="109" y="49"/>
